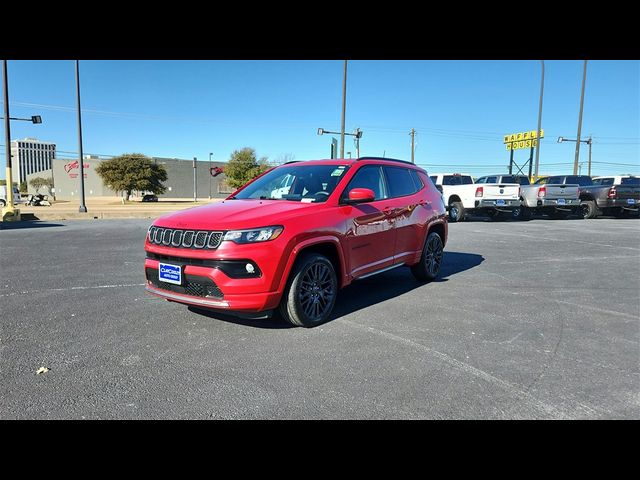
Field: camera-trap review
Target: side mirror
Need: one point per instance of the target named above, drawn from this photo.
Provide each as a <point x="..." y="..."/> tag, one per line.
<point x="361" y="195"/>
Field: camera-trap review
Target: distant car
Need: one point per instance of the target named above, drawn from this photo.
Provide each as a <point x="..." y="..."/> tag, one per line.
<point x="17" y="198"/>
<point x="150" y="198"/>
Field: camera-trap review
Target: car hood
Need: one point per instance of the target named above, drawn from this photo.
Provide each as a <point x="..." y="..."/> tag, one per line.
<point x="235" y="214"/>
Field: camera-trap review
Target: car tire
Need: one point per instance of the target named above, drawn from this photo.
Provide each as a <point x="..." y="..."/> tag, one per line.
<point x="428" y="268"/>
<point x="3" y="204"/>
<point x="525" y="213"/>
<point x="311" y="291"/>
<point x="456" y="212"/>
<point x="588" y="209"/>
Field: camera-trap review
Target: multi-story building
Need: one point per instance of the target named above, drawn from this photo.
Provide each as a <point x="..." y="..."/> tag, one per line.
<point x="30" y="155"/>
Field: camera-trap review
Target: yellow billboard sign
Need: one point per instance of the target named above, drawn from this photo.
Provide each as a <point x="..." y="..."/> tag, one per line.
<point x="515" y="141"/>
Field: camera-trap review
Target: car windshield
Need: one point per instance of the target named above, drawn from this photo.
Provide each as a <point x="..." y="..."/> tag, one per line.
<point x="297" y="182"/>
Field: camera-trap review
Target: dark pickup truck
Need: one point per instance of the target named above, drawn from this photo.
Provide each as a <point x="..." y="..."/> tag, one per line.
<point x="622" y="198"/>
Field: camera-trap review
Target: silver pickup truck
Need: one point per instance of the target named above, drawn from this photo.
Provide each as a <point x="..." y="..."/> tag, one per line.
<point x="557" y="196"/>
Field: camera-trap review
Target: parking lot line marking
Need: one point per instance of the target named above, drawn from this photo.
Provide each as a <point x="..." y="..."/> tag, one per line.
<point x="538" y="237"/>
<point x="70" y="288"/>
<point x="465" y="367"/>
<point x="603" y="310"/>
<point x="564" y="259"/>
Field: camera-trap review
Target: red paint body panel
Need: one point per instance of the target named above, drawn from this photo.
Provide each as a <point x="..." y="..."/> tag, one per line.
<point x="364" y="238"/>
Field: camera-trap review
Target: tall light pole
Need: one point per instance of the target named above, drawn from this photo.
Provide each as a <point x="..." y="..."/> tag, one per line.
<point x="357" y="134"/>
<point x="588" y="141"/>
<point x="413" y="144"/>
<point x="344" y="108"/>
<point x="8" y="213"/>
<point x="584" y="78"/>
<point x="210" y="175"/>
<point x="83" y="207"/>
<point x="535" y="173"/>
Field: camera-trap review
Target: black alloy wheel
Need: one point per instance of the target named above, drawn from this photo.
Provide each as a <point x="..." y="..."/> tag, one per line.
<point x="311" y="293"/>
<point x="429" y="266"/>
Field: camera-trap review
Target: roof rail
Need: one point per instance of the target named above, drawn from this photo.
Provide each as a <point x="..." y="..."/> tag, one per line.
<point x="385" y="158"/>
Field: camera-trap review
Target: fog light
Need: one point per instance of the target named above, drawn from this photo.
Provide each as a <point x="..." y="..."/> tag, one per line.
<point x="250" y="268"/>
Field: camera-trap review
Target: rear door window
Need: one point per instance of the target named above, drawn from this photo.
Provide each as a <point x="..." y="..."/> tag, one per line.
<point x="417" y="181"/>
<point x="400" y="181"/>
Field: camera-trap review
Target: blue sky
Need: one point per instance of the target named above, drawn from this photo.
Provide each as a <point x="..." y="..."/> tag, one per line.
<point x="460" y="109"/>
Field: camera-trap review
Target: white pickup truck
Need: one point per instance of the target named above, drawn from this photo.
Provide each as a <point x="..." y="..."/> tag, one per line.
<point x="461" y="195"/>
<point x="550" y="196"/>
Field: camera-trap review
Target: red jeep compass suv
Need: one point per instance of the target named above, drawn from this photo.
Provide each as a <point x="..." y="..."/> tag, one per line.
<point x="293" y="236"/>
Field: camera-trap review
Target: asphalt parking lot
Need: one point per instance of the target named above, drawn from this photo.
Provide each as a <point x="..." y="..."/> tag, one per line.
<point x="529" y="320"/>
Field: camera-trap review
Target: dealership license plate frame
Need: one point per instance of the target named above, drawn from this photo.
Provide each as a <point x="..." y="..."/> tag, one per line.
<point x="169" y="273"/>
<point x="561" y="201"/>
<point x="631" y="201"/>
<point x="500" y="203"/>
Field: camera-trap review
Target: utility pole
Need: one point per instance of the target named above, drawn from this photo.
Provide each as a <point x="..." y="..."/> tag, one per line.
<point x="8" y="213"/>
<point x="344" y="107"/>
<point x="584" y="78"/>
<point x="535" y="174"/>
<point x="413" y="137"/>
<point x="589" y="142"/>
<point x="195" y="185"/>
<point x="83" y="207"/>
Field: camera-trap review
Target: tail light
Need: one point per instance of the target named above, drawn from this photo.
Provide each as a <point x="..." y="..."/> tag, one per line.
<point x="612" y="193"/>
<point x="479" y="191"/>
<point x="542" y="192"/>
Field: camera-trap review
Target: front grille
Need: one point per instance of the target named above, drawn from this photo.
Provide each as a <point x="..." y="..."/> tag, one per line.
<point x="184" y="238"/>
<point x="193" y="285"/>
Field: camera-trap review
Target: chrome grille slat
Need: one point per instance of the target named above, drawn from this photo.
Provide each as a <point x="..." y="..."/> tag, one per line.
<point x="166" y="236"/>
<point x="176" y="238"/>
<point x="157" y="238"/>
<point x="187" y="240"/>
<point x="200" y="239"/>
<point x="214" y="240"/>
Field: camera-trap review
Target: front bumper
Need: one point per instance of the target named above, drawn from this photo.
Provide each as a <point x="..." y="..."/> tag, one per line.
<point x="206" y="285"/>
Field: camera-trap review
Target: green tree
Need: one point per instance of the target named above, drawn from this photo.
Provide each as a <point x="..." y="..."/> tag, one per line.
<point x="243" y="166"/>
<point x="23" y="186"/>
<point x="39" y="182"/>
<point x="132" y="171"/>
